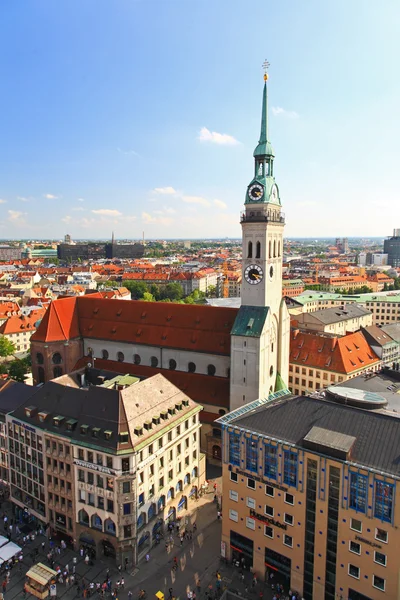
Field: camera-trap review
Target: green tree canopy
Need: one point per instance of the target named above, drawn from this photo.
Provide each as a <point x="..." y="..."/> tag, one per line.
<point x="6" y="348"/>
<point x="17" y="370"/>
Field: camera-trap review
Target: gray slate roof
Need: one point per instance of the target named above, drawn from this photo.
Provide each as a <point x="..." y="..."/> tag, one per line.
<point x="291" y="419"/>
<point x="339" y="313"/>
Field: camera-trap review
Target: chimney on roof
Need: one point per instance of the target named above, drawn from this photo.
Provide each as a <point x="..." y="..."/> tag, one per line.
<point x="295" y="333"/>
<point x="334" y="343"/>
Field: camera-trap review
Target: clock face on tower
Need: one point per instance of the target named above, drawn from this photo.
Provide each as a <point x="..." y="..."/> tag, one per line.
<point x="274" y="194"/>
<point x="253" y="274"/>
<point x="256" y="191"/>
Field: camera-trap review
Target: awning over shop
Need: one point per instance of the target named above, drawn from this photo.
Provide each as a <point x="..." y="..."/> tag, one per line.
<point x="9" y="550"/>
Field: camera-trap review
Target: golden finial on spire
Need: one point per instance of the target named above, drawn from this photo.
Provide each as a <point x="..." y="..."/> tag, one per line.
<point x="265" y="66"/>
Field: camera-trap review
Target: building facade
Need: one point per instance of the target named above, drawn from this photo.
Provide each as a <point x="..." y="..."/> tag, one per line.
<point x="313" y="501"/>
<point x="391" y="247"/>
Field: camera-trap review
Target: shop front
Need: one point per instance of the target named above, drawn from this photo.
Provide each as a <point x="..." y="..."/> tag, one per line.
<point x="242" y="550"/>
<point x="279" y="566"/>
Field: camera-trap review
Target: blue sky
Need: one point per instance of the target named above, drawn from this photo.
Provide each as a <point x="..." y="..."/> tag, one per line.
<point x="138" y="115"/>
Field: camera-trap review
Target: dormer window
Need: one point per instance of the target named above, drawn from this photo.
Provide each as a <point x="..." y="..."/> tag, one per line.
<point x="84" y="429"/>
<point x="43" y="416"/>
<point x="71" y="424"/>
<point x="58" y="420"/>
<point x="96" y="431"/>
<point x="124" y="438"/>
<point x="30" y="411"/>
<point x="108" y="434"/>
<point x="138" y="431"/>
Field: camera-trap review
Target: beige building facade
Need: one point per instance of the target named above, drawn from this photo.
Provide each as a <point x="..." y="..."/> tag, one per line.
<point x="302" y="505"/>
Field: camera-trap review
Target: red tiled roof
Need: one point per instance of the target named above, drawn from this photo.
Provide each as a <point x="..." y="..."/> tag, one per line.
<point x="59" y="323"/>
<point x="341" y="355"/>
<point x="18" y="324"/>
<point x="8" y="307"/>
<point x="190" y="327"/>
<point x="204" y="389"/>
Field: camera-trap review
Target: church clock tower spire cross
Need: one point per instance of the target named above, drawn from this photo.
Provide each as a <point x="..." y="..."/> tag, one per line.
<point x="260" y="335"/>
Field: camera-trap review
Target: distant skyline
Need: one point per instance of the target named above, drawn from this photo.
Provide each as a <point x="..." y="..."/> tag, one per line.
<point x="140" y="116"/>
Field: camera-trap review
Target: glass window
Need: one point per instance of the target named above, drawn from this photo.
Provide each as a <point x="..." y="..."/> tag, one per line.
<point x="250" y="523"/>
<point x="251" y="455"/>
<point x="290" y="468"/>
<point x="289" y="499"/>
<point x="250" y="502"/>
<point x="127" y="508"/>
<point x="270" y="491"/>
<point x="379" y="583"/>
<point x="288" y="540"/>
<point x="381" y="535"/>
<point x="355" y="547"/>
<point x="110" y="506"/>
<point x="288" y="519"/>
<point x="234" y="449"/>
<point x="233" y="477"/>
<point x="358" y="492"/>
<point x="268" y="531"/>
<point x="356" y="525"/>
<point x="270" y="461"/>
<point x="269" y="510"/>
<point x="233" y="495"/>
<point x="233" y="515"/>
<point x="384" y="500"/>
<point x="127" y="531"/>
<point x="380" y="558"/>
<point x="251" y="484"/>
<point x="354" y="571"/>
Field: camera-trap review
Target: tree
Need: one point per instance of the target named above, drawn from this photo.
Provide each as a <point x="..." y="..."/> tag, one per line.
<point x="212" y="291"/>
<point x="147" y="297"/>
<point x="6" y="348"/>
<point x="137" y="289"/>
<point x="172" y="291"/>
<point x="17" y="370"/>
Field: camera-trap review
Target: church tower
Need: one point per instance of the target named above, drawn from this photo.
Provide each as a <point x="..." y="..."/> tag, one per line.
<point x="260" y="336"/>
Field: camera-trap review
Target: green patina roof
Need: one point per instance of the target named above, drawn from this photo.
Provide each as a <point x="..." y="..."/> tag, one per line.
<point x="279" y="383"/>
<point x="120" y="380"/>
<point x="264" y="147"/>
<point x="250" y="321"/>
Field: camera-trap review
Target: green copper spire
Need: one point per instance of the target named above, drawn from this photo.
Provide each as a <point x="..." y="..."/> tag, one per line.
<point x="264" y="147"/>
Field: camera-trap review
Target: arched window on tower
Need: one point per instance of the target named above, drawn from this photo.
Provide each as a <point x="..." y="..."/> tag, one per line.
<point x="41" y="375"/>
<point x="258" y="250"/>
<point x="269" y="249"/>
<point x="250" y="250"/>
<point x="279" y="248"/>
<point x="274" y="248"/>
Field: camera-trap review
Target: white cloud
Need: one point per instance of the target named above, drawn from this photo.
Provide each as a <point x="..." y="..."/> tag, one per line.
<point x="165" y="190"/>
<point x="50" y="196"/>
<point x="2" y="201"/>
<point x="150" y="219"/>
<point x="16" y="216"/>
<point x="127" y="152"/>
<point x="107" y="212"/>
<point x="220" y="204"/>
<point x="78" y="208"/>
<point x="214" y="137"/>
<point x="278" y="111"/>
<point x="67" y="219"/>
<point x="169" y="210"/>
<point x="81" y="199"/>
<point x="22" y="199"/>
<point x="196" y="200"/>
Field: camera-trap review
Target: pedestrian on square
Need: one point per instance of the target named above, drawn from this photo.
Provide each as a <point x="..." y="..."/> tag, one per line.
<point x="119" y="569"/>
<point x="170" y="591"/>
<point x="147" y="557"/>
<point x="122" y="583"/>
<point x="181" y="540"/>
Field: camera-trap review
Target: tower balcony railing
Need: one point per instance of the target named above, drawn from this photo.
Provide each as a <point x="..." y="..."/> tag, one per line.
<point x="260" y="217"/>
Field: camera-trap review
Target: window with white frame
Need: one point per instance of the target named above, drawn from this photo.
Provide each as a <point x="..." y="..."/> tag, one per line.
<point x="268" y="531"/>
<point x="269" y="491"/>
<point x="250" y="523"/>
<point x="380" y="558"/>
<point x="288" y="540"/>
<point x="355" y="547"/>
<point x="233" y="515"/>
<point x="233" y="495"/>
<point x="356" y="525"/>
<point x="381" y="535"/>
<point x="288" y="519"/>
<point x="250" y="502"/>
<point x="379" y="583"/>
<point x="354" y="571"/>
<point x="251" y="484"/>
<point x="289" y="498"/>
<point x="269" y="510"/>
<point x="233" y="477"/>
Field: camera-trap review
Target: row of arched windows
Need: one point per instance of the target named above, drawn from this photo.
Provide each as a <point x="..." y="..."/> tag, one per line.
<point x="57" y="372"/>
<point x="211" y="369"/>
<point x="56" y="359"/>
<point x="274" y="249"/>
<point x="96" y="522"/>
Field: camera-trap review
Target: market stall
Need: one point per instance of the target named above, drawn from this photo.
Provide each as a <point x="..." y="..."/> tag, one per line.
<point x="39" y="579"/>
<point x="8" y="551"/>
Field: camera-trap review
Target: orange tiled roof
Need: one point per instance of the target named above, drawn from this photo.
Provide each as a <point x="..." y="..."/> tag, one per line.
<point x="341" y="355"/>
<point x="191" y="327"/>
<point x="8" y="307"/>
<point x="18" y="324"/>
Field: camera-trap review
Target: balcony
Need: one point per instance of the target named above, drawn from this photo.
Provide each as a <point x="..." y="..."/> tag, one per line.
<point x="260" y="217"/>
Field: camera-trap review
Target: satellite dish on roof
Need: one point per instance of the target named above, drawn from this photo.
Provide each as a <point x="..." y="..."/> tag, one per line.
<point x="89" y="365"/>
